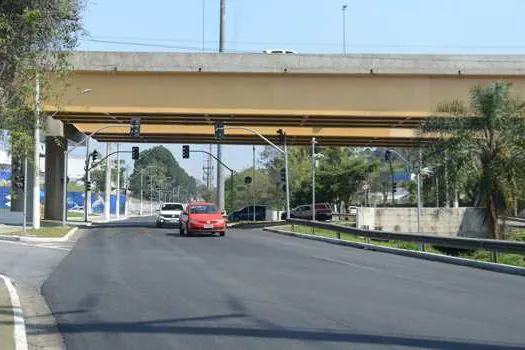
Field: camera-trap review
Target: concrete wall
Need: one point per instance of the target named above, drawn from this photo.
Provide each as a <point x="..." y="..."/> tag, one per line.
<point x="449" y="222"/>
<point x="134" y="207"/>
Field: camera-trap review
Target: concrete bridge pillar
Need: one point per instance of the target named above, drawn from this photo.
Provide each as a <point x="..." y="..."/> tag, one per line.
<point x="55" y="163"/>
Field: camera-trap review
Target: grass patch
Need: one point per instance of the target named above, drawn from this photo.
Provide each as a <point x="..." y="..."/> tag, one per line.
<point x="75" y="214"/>
<point x="47" y="232"/>
<point x="480" y="255"/>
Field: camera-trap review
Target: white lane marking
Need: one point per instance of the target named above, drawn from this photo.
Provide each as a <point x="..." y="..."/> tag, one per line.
<point x="33" y="245"/>
<point x="19" y="331"/>
<point x="342" y="262"/>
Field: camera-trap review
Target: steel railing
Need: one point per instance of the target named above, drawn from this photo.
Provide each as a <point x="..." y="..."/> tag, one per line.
<point x="492" y="245"/>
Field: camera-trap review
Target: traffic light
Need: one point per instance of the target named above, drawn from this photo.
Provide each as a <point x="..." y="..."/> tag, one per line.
<point x="186" y="151"/>
<point x="94" y="155"/>
<point x="19" y="182"/>
<point x="282" y="136"/>
<point x="388" y="155"/>
<point x="134" y="128"/>
<point x="283" y="175"/>
<point x="394" y="187"/>
<point x="219" y="130"/>
<point x="135" y="153"/>
<point x="88" y="185"/>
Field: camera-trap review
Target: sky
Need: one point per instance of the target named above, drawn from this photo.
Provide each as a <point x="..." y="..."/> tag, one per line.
<point x="306" y="26"/>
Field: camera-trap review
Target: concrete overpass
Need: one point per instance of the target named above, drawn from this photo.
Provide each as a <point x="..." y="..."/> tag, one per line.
<point x="361" y="100"/>
<point x="351" y="100"/>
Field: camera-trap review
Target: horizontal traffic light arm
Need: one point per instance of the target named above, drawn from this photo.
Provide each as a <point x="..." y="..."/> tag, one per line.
<point x="106" y="157"/>
<point x="255" y="132"/>
<point x="217" y="159"/>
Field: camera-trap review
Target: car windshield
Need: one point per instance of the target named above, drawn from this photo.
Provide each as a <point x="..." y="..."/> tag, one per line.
<point x="204" y="209"/>
<point x="172" y="207"/>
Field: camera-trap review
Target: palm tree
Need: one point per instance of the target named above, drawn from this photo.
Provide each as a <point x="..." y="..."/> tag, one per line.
<point x="484" y="141"/>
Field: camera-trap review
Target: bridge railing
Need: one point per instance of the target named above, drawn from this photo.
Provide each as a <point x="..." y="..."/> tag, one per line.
<point x="492" y="245"/>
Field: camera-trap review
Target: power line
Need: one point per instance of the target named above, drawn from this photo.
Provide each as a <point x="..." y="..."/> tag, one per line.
<point x="145" y="41"/>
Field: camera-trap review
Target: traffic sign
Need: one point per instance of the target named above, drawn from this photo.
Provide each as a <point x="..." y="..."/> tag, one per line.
<point x="248" y="180"/>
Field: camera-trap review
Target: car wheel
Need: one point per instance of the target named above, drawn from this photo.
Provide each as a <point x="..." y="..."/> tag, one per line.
<point x="222" y="234"/>
<point x="159" y="225"/>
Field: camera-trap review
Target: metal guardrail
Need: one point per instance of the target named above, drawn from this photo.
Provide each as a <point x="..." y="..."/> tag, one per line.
<point x="491" y="245"/>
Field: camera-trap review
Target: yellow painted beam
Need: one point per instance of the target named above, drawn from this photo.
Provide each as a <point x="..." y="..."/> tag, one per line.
<point x="205" y="130"/>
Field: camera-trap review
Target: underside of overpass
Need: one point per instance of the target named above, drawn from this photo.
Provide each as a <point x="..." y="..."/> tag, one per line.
<point x="352" y="100"/>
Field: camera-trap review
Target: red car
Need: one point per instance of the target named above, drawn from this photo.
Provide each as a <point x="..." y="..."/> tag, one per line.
<point x="202" y="217"/>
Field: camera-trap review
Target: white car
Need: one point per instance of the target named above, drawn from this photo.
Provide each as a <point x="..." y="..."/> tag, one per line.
<point x="280" y="51"/>
<point x="169" y="214"/>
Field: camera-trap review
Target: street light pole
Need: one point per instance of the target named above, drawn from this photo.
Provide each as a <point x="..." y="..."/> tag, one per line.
<point x="345" y="6"/>
<point x="220" y="170"/>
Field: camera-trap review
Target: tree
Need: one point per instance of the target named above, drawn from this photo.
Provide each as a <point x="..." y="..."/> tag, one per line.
<point x="35" y="39"/>
<point x="484" y="141"/>
<point x="162" y="172"/>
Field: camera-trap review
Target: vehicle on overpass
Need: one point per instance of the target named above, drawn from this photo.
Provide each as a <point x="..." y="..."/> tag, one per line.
<point x="169" y="214"/>
<point x="280" y="51"/>
<point x="246" y="214"/>
<point x="202" y="218"/>
<point x="323" y="212"/>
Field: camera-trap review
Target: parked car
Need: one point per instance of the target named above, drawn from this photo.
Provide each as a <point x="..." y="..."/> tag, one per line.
<point x="169" y="214"/>
<point x="323" y="212"/>
<point x="246" y="214"/>
<point x="202" y="217"/>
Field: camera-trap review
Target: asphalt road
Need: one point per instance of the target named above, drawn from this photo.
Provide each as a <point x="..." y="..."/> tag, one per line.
<point x="132" y="286"/>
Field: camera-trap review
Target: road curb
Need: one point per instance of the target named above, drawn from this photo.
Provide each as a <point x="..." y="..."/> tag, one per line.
<point x="70" y="233"/>
<point x="19" y="332"/>
<point x="514" y="270"/>
<point x="243" y="225"/>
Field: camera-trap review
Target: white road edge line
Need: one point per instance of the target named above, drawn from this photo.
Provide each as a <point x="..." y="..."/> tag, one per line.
<point x="19" y="332"/>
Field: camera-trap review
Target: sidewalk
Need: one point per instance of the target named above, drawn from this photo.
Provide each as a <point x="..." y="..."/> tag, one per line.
<point x="12" y="329"/>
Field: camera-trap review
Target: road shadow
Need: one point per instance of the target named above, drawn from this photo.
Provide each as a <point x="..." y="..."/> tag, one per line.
<point x="174" y="326"/>
<point x="208" y="235"/>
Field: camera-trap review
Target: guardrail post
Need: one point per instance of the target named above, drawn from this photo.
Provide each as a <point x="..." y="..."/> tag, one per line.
<point x="367" y="240"/>
<point x="293" y="228"/>
<point x="313" y="230"/>
<point x="422" y="247"/>
<point x="338" y="235"/>
<point x="493" y="256"/>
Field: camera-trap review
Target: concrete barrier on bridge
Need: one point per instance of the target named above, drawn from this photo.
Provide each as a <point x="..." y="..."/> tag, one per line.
<point x="447" y="222"/>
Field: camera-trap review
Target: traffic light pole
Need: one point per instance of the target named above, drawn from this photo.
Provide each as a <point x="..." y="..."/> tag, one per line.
<point x="227" y="167"/>
<point x="283" y="150"/>
<point x="66" y="153"/>
<point x="87" y="180"/>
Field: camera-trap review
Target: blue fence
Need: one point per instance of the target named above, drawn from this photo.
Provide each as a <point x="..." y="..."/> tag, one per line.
<point x="74" y="200"/>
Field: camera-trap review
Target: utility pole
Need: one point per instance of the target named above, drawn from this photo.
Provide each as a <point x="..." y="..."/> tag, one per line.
<point x="141" y="186"/>
<point x="220" y="170"/>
